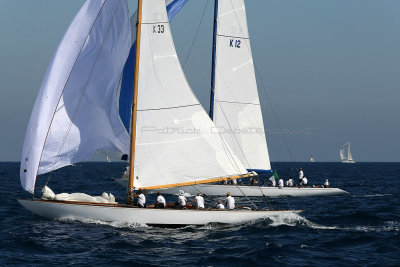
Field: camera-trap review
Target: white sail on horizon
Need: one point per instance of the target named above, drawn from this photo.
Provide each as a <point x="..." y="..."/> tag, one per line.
<point x="345" y="153"/>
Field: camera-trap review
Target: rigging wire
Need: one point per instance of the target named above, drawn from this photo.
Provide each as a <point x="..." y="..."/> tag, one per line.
<point x="197" y="32"/>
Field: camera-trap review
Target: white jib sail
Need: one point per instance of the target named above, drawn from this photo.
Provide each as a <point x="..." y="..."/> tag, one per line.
<point x="175" y="141"/>
<point x="237" y="111"/>
<point x="75" y="113"/>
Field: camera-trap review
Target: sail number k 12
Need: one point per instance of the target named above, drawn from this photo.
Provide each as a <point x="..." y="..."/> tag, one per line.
<point x="234" y="43"/>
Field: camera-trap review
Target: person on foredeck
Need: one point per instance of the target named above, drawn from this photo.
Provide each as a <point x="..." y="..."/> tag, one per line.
<point x="220" y="206"/>
<point x="160" y="203"/>
<point x="326" y="184"/>
<point x="181" y="203"/>
<point x="198" y="201"/>
<point x="301" y="175"/>
<point x="229" y="201"/>
<point x="141" y="199"/>
<point x="280" y="182"/>
<point x="289" y="182"/>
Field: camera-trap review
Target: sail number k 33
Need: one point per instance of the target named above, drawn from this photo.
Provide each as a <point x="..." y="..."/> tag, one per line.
<point x="158" y="28"/>
<point x="234" y="43"/>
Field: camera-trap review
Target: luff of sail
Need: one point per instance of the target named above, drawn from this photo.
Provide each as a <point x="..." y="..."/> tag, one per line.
<point x="75" y="113"/>
<point x="237" y="111"/>
<point x="174" y="139"/>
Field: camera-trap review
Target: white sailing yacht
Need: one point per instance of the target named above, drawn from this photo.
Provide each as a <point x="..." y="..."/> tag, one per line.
<point x="312" y="159"/>
<point x="76" y="114"/>
<point x="235" y="106"/>
<point x="345" y="154"/>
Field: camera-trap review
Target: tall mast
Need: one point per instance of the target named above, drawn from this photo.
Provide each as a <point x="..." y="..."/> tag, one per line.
<point x="214" y="47"/>
<point x="134" y="104"/>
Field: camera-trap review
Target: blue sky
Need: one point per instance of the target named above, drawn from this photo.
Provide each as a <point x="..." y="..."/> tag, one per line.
<point x="330" y="68"/>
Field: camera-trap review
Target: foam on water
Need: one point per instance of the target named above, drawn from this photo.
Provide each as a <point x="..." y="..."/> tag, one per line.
<point x="116" y="224"/>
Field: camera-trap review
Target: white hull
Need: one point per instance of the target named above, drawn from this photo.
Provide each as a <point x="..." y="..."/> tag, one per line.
<point x="148" y="216"/>
<point x="251" y="191"/>
<point x="348" y="161"/>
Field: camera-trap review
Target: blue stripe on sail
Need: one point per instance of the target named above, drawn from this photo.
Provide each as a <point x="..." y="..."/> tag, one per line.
<point x="126" y="93"/>
<point x="260" y="170"/>
<point x="173" y="8"/>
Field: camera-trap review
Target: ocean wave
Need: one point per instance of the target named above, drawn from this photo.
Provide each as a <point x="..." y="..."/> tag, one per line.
<point x="373" y="195"/>
<point x="390" y="226"/>
<point x="116" y="224"/>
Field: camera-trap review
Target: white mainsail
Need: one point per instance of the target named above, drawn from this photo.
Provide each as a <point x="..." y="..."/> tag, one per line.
<point x="75" y="113"/>
<point x="236" y="108"/>
<point x="345" y="154"/>
<point x="175" y="142"/>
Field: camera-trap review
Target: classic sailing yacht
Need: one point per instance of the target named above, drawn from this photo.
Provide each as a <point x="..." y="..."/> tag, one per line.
<point x="235" y="106"/>
<point x="312" y="159"/>
<point x="76" y="115"/>
<point x="345" y="154"/>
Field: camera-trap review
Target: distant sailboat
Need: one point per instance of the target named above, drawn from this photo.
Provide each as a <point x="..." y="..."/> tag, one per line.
<point x="108" y="159"/>
<point x="312" y="159"/>
<point x="345" y="154"/>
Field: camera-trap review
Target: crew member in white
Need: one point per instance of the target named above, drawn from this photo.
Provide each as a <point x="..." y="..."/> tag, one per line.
<point x="160" y="201"/>
<point x="326" y="184"/>
<point x="220" y="206"/>
<point x="280" y="182"/>
<point x="181" y="203"/>
<point x="198" y="201"/>
<point x="304" y="181"/>
<point x="301" y="175"/>
<point x="229" y="201"/>
<point x="289" y="182"/>
<point x="141" y="199"/>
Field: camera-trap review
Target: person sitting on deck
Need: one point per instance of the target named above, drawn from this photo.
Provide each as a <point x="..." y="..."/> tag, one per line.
<point x="326" y="184"/>
<point x="220" y="206"/>
<point x="160" y="204"/>
<point x="181" y="203"/>
<point x="198" y="201"/>
<point x="141" y="199"/>
<point x="229" y="201"/>
<point x="280" y="182"/>
<point x="304" y="181"/>
<point x="273" y="182"/>
<point x="289" y="182"/>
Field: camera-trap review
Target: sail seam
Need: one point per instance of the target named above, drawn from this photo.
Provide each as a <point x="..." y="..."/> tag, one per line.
<point x="231" y="36"/>
<point x="155" y="109"/>
<point x="157" y="22"/>
<point x="237" y="102"/>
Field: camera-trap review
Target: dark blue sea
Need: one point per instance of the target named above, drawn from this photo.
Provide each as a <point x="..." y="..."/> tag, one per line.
<point x="360" y="229"/>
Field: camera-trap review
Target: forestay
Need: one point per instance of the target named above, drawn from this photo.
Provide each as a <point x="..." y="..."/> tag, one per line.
<point x="175" y="142"/>
<point x="75" y="113"/>
<point x="237" y="111"/>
